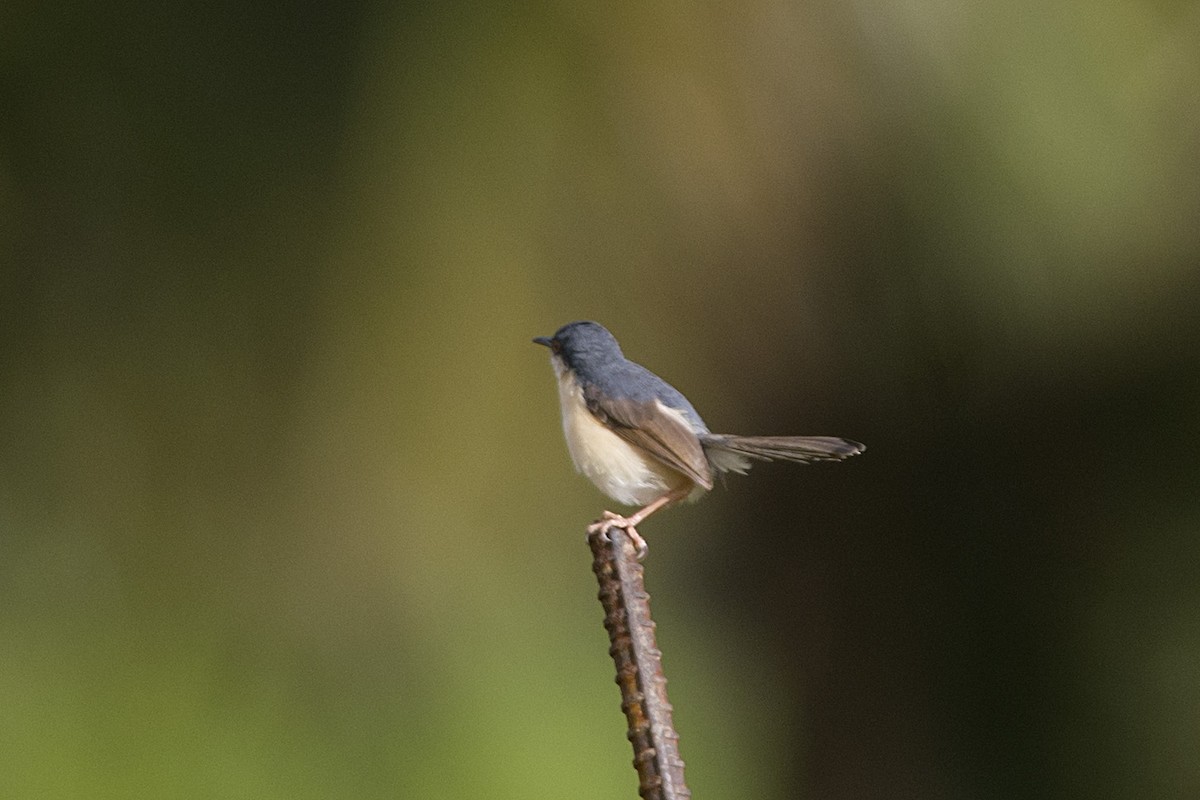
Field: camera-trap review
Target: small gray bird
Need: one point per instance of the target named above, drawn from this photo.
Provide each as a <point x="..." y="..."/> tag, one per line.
<point x="640" y="441"/>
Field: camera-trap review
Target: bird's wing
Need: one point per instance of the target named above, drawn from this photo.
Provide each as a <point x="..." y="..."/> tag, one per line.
<point x="661" y="431"/>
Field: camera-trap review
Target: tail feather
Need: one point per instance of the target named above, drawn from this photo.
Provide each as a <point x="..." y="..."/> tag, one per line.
<point x="732" y="453"/>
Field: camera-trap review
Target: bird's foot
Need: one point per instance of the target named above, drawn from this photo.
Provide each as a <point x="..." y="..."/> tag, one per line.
<point x="609" y="520"/>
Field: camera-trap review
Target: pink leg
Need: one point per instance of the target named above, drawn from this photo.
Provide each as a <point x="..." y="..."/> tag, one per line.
<point x="609" y="520"/>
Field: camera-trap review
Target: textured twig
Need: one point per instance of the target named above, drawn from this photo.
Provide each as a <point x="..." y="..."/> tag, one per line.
<point x="639" y="667"/>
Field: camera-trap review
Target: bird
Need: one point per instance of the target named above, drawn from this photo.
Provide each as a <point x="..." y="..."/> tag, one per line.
<point x="640" y="441"/>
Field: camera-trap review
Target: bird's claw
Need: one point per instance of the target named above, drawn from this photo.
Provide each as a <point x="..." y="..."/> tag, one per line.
<point x="609" y="520"/>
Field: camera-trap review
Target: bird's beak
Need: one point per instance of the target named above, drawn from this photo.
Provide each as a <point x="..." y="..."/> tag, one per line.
<point x="544" y="340"/>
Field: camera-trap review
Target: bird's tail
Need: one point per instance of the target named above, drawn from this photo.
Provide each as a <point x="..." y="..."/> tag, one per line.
<point x="729" y="453"/>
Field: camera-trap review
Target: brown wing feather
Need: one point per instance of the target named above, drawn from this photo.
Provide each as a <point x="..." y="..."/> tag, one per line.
<point x="661" y="434"/>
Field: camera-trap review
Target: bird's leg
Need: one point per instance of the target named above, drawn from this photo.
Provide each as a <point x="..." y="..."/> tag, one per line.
<point x="609" y="520"/>
<point x="673" y="496"/>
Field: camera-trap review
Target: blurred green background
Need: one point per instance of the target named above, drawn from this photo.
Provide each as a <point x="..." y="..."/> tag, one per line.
<point x="284" y="506"/>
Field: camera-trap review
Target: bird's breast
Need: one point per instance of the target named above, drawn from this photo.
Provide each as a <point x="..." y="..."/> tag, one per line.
<point x="622" y="471"/>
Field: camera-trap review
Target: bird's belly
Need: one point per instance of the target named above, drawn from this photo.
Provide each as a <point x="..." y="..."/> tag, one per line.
<point x="622" y="471"/>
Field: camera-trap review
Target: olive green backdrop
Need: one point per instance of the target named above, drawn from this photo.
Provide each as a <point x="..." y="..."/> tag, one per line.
<point x="284" y="506"/>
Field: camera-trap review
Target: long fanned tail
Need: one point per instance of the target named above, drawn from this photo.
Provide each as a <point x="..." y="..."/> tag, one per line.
<point x="732" y="453"/>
